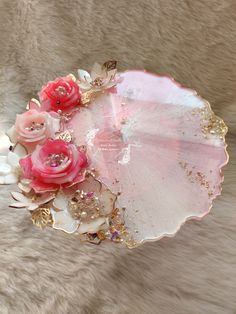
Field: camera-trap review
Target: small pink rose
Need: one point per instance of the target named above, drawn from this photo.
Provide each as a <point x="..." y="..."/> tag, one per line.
<point x="53" y="165"/>
<point x="33" y="127"/>
<point x="61" y="94"/>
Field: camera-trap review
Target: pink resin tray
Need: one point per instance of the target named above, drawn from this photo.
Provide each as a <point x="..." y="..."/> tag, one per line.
<point x="154" y="155"/>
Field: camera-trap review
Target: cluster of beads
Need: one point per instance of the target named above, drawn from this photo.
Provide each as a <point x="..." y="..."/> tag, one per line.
<point x="35" y="126"/>
<point x="55" y="160"/>
<point x="84" y="206"/>
<point x="61" y="90"/>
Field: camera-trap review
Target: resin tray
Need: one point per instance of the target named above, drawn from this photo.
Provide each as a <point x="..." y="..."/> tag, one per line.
<point x="155" y="154"/>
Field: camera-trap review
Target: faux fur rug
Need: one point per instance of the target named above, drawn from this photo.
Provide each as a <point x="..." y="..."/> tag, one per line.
<point x="51" y="272"/>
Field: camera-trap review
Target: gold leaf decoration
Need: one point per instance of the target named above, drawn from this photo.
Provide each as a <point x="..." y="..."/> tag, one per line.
<point x="110" y="65"/>
<point x="215" y="126"/>
<point x="65" y="136"/>
<point x="88" y="96"/>
<point x="41" y="217"/>
<point x="210" y="123"/>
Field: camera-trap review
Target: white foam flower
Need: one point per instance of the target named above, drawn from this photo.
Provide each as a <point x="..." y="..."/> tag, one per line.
<point x="101" y="77"/>
<point x="29" y="202"/>
<point x="9" y="165"/>
<point x="62" y="219"/>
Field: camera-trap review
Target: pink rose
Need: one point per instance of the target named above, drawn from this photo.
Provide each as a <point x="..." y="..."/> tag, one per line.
<point x="61" y="94"/>
<point x="33" y="127"/>
<point x="53" y="165"/>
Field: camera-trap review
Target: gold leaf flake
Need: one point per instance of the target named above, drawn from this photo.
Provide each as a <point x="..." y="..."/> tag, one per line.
<point x="65" y="136"/>
<point x="41" y="217"/>
<point x="110" y="65"/>
<point x="215" y="126"/>
<point x="210" y="123"/>
<point x="88" y="96"/>
<point x="85" y="98"/>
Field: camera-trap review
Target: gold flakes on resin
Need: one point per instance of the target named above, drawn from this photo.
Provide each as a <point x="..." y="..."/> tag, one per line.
<point x="196" y="177"/>
<point x="210" y="123"/>
<point x="215" y="126"/>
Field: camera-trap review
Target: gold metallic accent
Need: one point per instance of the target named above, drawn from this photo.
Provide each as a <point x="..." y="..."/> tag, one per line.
<point x="83" y="207"/>
<point x="110" y="65"/>
<point x="196" y="177"/>
<point x="131" y="243"/>
<point x="101" y="235"/>
<point x="215" y="126"/>
<point x="210" y="123"/>
<point x="41" y="217"/>
<point x="88" y="96"/>
<point x="65" y="136"/>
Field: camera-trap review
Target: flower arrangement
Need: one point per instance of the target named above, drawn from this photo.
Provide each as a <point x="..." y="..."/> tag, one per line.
<point x="53" y="173"/>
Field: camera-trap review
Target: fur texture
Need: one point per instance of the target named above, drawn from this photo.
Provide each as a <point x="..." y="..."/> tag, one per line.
<point x="50" y="272"/>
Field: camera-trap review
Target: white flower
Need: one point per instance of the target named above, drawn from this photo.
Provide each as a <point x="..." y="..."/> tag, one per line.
<point x="62" y="220"/>
<point x="101" y="77"/>
<point x="31" y="203"/>
<point x="105" y="197"/>
<point x="24" y="185"/>
<point x="9" y="165"/>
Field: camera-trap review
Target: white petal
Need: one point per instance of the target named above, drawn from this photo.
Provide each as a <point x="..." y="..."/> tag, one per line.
<point x="33" y="206"/>
<point x="111" y="74"/>
<point x="45" y="198"/>
<point x="2" y="179"/>
<point x="60" y="201"/>
<point x="12" y="134"/>
<point x="11" y="178"/>
<point x="18" y="205"/>
<point x="24" y="187"/>
<point x="84" y="76"/>
<point x="5" y="168"/>
<point x="25" y="181"/>
<point x="93" y="226"/>
<point x="97" y="71"/>
<point x="84" y="86"/>
<point x="20" y="197"/>
<point x="13" y="159"/>
<point x="3" y="159"/>
<point x="20" y="150"/>
<point x="55" y="124"/>
<point x="63" y="221"/>
<point x="110" y="84"/>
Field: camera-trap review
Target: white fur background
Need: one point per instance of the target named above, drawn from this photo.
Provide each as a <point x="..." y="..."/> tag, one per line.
<point x="51" y="272"/>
